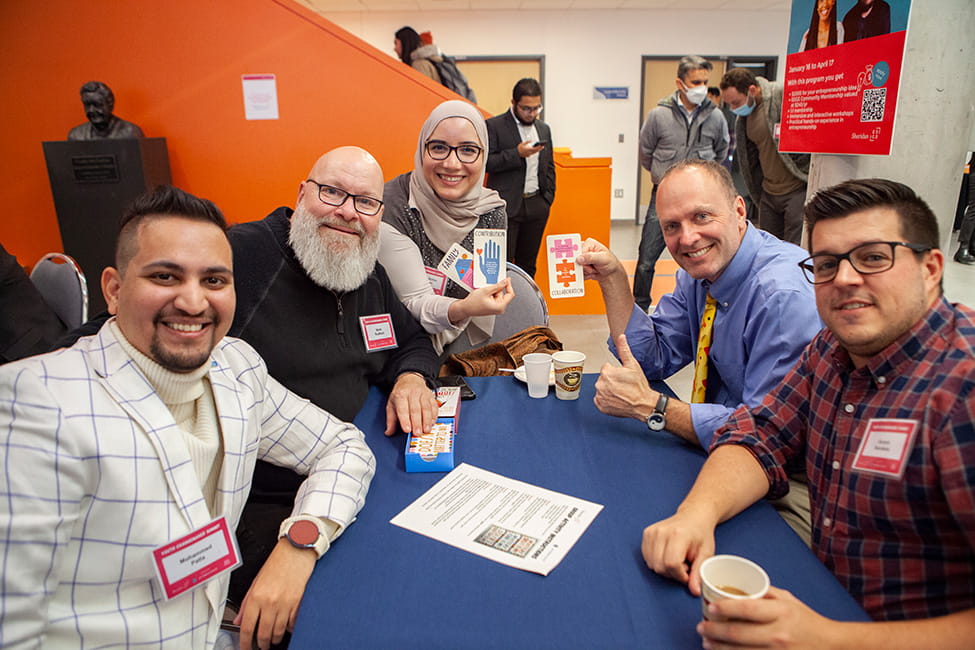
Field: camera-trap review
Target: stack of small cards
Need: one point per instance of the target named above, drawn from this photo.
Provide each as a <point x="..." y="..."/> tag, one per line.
<point x="434" y="451"/>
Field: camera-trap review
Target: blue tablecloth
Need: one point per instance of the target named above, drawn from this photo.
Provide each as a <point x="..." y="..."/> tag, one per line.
<point x="381" y="586"/>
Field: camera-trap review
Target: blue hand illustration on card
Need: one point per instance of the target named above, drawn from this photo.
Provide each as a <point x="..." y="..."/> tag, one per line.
<point x="490" y="261"/>
<point x="490" y="246"/>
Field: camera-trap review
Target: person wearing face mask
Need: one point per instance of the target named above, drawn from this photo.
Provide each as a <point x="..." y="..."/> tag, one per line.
<point x="683" y="125"/>
<point x="776" y="181"/>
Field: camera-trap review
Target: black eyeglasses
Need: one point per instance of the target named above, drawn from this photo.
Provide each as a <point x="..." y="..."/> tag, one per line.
<point x="866" y="259"/>
<point x="363" y="204"/>
<point x="440" y="150"/>
<point x="531" y="110"/>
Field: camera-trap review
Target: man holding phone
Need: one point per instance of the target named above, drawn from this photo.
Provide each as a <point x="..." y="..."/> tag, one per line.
<point x="521" y="169"/>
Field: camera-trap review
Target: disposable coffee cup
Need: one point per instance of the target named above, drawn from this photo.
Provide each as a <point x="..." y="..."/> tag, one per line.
<point x="538" y="370"/>
<point x="568" y="373"/>
<point x="730" y="576"/>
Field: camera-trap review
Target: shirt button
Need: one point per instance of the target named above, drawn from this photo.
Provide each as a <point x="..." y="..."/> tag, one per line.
<point x="849" y="408"/>
<point x="836" y="464"/>
<point x="826" y="522"/>
<point x="881" y="380"/>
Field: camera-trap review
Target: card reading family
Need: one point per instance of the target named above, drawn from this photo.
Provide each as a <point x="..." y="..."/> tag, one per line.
<point x="564" y="273"/>
<point x="458" y="265"/>
<point x="490" y="249"/>
<point x="501" y="519"/>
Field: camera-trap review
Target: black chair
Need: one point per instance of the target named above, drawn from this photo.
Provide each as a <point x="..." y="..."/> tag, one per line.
<point x="526" y="310"/>
<point x="63" y="286"/>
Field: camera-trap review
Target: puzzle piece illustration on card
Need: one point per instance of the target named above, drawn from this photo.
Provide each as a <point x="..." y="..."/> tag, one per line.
<point x="490" y="249"/>
<point x="564" y="274"/>
<point x="458" y="265"/>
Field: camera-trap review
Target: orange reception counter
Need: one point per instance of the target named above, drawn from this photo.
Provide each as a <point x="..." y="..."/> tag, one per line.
<point x="582" y="205"/>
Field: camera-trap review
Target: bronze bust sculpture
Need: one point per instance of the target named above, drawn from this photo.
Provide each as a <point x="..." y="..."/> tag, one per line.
<point x="99" y="101"/>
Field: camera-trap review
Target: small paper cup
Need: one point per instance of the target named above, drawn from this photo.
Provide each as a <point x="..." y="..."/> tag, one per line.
<point x="568" y="373"/>
<point x="538" y="368"/>
<point x="730" y="576"/>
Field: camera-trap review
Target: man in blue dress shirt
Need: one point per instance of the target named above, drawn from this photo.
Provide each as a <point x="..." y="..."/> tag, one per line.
<point x="765" y="310"/>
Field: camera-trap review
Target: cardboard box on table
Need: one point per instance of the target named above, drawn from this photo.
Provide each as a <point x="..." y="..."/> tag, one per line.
<point x="434" y="451"/>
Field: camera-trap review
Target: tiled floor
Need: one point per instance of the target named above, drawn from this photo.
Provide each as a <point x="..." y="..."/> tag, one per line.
<point x="588" y="333"/>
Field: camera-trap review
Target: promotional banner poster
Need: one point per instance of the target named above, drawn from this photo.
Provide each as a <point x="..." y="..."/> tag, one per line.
<point x="842" y="74"/>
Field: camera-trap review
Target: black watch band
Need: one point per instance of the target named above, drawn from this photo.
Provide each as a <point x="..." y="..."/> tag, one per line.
<point x="657" y="421"/>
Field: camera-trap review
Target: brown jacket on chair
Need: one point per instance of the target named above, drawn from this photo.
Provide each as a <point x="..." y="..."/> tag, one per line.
<point x="485" y="360"/>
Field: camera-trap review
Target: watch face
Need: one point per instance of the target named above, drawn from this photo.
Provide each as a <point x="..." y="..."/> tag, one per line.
<point x="303" y="534"/>
<point x="656" y="421"/>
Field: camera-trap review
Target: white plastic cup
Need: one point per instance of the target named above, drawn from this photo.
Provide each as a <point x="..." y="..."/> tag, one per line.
<point x="730" y="576"/>
<point x="538" y="369"/>
<point x="568" y="373"/>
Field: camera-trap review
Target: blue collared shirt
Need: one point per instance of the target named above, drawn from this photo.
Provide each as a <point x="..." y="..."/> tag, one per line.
<point x="766" y="314"/>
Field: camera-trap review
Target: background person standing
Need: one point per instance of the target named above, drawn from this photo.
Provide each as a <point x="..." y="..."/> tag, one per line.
<point x="776" y="181"/>
<point x="681" y="126"/>
<point x="521" y="169"/>
<point x="416" y="54"/>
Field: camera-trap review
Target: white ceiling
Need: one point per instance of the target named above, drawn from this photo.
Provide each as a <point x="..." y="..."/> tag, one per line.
<point x="334" y="6"/>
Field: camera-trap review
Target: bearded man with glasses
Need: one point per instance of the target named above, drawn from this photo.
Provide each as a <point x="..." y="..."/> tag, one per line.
<point x="305" y="279"/>
<point x="880" y="409"/>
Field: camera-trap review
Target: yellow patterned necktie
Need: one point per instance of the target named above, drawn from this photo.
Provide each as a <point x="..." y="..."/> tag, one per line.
<point x="703" y="348"/>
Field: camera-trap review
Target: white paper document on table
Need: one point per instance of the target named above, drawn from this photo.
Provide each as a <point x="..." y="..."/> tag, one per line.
<point x="499" y="518"/>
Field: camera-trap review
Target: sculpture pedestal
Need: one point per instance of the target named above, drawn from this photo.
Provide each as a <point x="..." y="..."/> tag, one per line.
<point x="92" y="182"/>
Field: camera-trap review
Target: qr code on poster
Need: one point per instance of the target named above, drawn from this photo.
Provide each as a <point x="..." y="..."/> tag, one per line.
<point x="874" y="102"/>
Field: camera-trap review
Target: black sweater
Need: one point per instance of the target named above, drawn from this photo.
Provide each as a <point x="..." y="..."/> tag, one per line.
<point x="310" y="337"/>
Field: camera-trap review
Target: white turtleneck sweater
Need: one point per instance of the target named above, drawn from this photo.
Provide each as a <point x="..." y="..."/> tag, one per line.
<point x="189" y="397"/>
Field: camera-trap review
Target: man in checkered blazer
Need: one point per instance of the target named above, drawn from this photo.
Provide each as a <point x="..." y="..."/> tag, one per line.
<point x="146" y="432"/>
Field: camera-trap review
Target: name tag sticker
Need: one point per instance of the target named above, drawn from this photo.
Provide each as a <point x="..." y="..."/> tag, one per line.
<point x="195" y="559"/>
<point x="886" y="446"/>
<point x="437" y="278"/>
<point x="378" y="332"/>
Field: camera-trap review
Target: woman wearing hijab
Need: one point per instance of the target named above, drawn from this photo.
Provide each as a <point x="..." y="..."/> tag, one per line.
<point x="439" y="204"/>
<point x="823" y="28"/>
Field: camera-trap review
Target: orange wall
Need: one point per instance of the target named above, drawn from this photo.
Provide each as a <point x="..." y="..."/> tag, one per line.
<point x="175" y="69"/>
<point x="583" y="187"/>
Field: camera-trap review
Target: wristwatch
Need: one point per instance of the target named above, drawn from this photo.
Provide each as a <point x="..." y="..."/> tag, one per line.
<point x="657" y="420"/>
<point x="306" y="531"/>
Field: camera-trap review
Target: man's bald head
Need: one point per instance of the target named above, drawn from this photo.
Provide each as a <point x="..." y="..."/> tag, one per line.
<point x="353" y="161"/>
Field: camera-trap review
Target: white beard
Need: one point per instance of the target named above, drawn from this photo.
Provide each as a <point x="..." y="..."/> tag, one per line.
<point x="333" y="261"/>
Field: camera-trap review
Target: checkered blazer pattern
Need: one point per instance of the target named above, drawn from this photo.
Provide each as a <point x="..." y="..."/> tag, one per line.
<point x="94" y="474"/>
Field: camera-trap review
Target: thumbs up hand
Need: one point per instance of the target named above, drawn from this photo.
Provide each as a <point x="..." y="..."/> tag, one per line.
<point x="626" y="356"/>
<point x="624" y="391"/>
